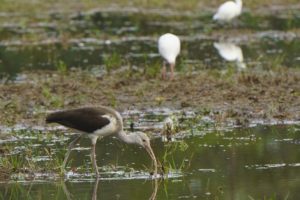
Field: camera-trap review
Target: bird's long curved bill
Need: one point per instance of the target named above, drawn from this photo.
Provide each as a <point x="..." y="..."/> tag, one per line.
<point x="152" y="155"/>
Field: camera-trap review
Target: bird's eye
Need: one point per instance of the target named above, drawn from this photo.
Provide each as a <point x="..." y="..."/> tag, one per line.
<point x="143" y="140"/>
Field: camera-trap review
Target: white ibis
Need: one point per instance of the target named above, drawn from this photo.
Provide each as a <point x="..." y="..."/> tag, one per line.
<point x="169" y="48"/>
<point x="228" y="10"/>
<point x="231" y="52"/>
<point x="96" y="122"/>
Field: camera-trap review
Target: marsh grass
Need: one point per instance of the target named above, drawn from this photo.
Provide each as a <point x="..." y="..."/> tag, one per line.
<point x="25" y="158"/>
<point x="153" y="70"/>
<point x="61" y="67"/>
<point x="54" y="99"/>
<point x="112" y="62"/>
<point x="168" y="160"/>
<point x="17" y="191"/>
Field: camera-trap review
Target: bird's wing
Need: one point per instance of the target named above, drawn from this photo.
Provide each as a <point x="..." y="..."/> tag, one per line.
<point x="83" y="119"/>
<point x="169" y="47"/>
<point x="226" y="10"/>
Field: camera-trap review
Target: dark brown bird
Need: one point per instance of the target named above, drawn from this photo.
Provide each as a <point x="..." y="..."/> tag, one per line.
<point x="97" y="122"/>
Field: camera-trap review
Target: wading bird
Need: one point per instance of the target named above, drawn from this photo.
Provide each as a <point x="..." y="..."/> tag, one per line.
<point x="169" y="48"/>
<point x="231" y="52"/>
<point x="96" y="122"/>
<point x="228" y="10"/>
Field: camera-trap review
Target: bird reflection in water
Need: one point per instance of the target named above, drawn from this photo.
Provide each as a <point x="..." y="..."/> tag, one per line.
<point x="95" y="196"/>
<point x="69" y="196"/>
<point x="231" y="52"/>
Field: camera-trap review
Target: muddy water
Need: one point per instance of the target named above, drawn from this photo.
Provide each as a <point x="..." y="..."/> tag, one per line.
<point x="208" y="162"/>
<point x="202" y="54"/>
<point x="132" y="37"/>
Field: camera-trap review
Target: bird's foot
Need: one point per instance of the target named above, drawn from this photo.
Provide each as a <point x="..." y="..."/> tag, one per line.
<point x="155" y="175"/>
<point x="171" y="77"/>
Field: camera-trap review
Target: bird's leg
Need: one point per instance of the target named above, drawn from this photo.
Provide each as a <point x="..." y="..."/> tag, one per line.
<point x="95" y="190"/>
<point x="164" y="71"/>
<point x="172" y="66"/>
<point x="93" y="156"/>
<point x="154" y="193"/>
<point x="71" y="145"/>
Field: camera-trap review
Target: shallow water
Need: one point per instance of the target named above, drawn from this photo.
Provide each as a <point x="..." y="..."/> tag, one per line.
<point x="132" y="36"/>
<point x="209" y="162"/>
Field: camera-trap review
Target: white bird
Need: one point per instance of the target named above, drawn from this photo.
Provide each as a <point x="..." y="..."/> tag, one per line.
<point x="229" y="10"/>
<point x="169" y="49"/>
<point x="97" y="122"/>
<point x="170" y="125"/>
<point x="231" y="52"/>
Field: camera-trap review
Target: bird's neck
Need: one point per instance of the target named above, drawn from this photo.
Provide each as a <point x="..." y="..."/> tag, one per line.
<point x="127" y="138"/>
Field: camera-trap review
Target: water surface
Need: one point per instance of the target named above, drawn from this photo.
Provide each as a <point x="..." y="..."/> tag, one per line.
<point x="238" y="163"/>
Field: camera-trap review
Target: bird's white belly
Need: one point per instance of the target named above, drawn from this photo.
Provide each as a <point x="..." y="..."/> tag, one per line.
<point x="109" y="129"/>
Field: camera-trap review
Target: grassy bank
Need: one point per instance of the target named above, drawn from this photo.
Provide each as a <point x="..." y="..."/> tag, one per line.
<point x="241" y="96"/>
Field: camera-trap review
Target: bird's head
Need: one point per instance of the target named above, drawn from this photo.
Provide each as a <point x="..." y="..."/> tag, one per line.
<point x="140" y="139"/>
<point x="143" y="140"/>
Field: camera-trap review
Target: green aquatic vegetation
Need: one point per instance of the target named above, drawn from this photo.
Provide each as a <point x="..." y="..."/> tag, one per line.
<point x="251" y="21"/>
<point x="112" y="100"/>
<point x="56" y="159"/>
<point x="140" y="92"/>
<point x="61" y="67"/>
<point x="151" y="71"/>
<point x="113" y="61"/>
<point x="17" y="191"/>
<point x="277" y="62"/>
<point x="196" y="123"/>
<point x="26" y="160"/>
<point x="13" y="162"/>
<point x="229" y="72"/>
<point x="52" y="99"/>
<point x="169" y="162"/>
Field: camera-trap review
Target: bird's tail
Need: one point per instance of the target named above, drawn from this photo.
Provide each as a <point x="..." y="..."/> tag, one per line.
<point x="216" y="16"/>
<point x="53" y="117"/>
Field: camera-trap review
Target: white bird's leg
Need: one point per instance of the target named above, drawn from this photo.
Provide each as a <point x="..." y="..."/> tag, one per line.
<point x="164" y="71"/>
<point x="93" y="156"/>
<point x="172" y="66"/>
<point x="71" y="145"/>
